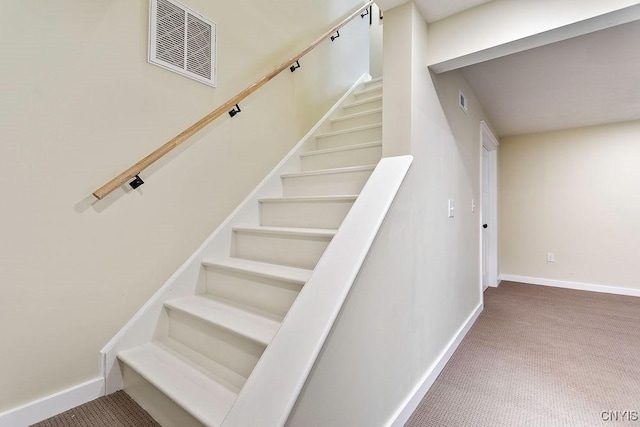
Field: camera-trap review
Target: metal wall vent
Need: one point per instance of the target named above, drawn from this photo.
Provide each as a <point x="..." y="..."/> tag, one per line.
<point x="463" y="102"/>
<point x="182" y="40"/>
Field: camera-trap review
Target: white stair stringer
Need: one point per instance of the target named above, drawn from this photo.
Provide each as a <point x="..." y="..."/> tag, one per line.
<point x="189" y="352"/>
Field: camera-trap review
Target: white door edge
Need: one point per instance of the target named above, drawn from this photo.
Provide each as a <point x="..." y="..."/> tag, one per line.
<point x="489" y="142"/>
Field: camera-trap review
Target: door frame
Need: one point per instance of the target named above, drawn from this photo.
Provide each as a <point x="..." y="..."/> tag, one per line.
<point x="489" y="141"/>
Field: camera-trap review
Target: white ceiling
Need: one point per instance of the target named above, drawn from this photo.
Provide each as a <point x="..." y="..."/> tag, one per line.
<point x="434" y="10"/>
<point x="588" y="80"/>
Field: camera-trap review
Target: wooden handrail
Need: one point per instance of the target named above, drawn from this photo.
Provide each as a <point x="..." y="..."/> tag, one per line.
<point x="144" y="163"/>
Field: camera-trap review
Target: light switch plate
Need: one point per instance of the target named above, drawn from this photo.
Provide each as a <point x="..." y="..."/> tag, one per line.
<point x="452" y="208"/>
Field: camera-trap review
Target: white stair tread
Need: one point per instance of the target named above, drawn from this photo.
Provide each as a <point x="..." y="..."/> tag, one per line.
<point x="342" y="198"/>
<point x="345" y="148"/>
<point x="262" y="269"/>
<point x="293" y="231"/>
<point x="200" y="395"/>
<point x="368" y="90"/>
<point x="364" y="101"/>
<point x="356" y="115"/>
<point x="373" y="81"/>
<point x="351" y="130"/>
<point x="330" y="171"/>
<point x="253" y="326"/>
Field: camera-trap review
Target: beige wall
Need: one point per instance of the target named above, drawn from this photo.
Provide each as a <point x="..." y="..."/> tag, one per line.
<point x="574" y="193"/>
<point x="79" y="104"/>
<point x="420" y="281"/>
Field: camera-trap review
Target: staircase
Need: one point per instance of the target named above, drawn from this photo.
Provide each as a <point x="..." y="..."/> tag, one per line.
<point x="206" y="345"/>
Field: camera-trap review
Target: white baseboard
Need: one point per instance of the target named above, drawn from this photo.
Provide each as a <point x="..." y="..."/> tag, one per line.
<point x="413" y="400"/>
<point x="47" y="407"/>
<point x="617" y="290"/>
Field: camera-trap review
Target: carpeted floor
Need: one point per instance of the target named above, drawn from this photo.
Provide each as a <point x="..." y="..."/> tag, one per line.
<point x="114" y="410"/>
<point x="540" y="356"/>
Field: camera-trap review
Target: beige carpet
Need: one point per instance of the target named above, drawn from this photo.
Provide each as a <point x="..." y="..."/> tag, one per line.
<point x="114" y="410"/>
<point x="540" y="356"/>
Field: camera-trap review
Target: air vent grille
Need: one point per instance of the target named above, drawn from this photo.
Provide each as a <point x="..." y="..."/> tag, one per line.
<point x="198" y="47"/>
<point x="170" y="34"/>
<point x="182" y="40"/>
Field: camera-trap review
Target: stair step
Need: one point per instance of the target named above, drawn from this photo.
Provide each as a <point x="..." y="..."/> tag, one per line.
<point x="326" y="182"/>
<point x="307" y="212"/>
<point x="357" y="135"/>
<point x="222" y="374"/>
<point x="363" y="118"/>
<point x="362" y="105"/>
<point x="270" y="288"/>
<point x="262" y="269"/>
<point x="233" y="319"/>
<point x="319" y="199"/>
<point x="368" y="92"/>
<point x="367" y="153"/>
<point x="296" y="247"/>
<point x="373" y="82"/>
<point x="198" y="394"/>
<point x="287" y="231"/>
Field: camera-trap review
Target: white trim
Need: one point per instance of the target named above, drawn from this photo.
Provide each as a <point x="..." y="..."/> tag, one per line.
<point x="607" y="289"/>
<point x="52" y="405"/>
<point x="489" y="141"/>
<point x="407" y="407"/>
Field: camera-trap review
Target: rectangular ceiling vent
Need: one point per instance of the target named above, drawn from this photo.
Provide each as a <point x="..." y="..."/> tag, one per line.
<point x="182" y="40"/>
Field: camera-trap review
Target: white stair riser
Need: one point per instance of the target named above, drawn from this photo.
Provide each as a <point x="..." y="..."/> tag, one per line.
<point x="368" y="119"/>
<point x="290" y="250"/>
<point x="156" y="403"/>
<point x="367" y="106"/>
<point x="325" y="185"/>
<point x="233" y="351"/>
<point x="273" y="296"/>
<point x="373" y="83"/>
<point x="350" y="138"/>
<point x="229" y="379"/>
<point x="370" y="92"/>
<point x="341" y="159"/>
<point x="315" y="214"/>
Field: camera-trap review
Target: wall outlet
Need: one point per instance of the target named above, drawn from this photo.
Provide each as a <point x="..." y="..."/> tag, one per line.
<point x="551" y="257"/>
